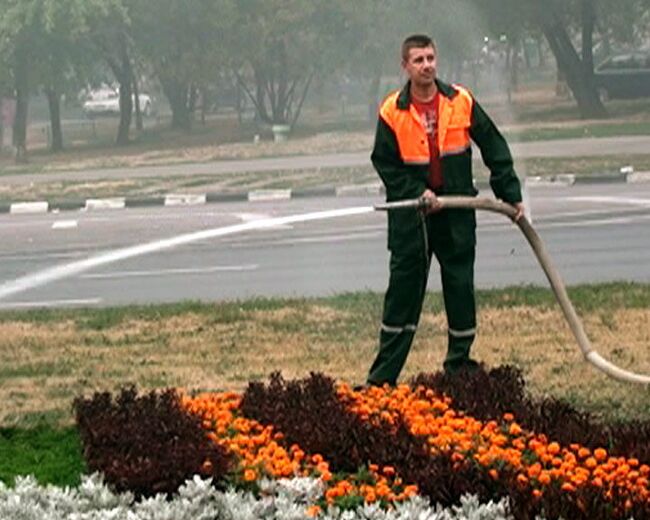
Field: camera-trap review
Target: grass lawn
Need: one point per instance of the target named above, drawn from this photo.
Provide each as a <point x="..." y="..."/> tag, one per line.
<point x="48" y="357"/>
<point x="52" y="455"/>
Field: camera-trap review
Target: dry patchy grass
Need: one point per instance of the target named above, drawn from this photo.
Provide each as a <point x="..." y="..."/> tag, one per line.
<point x="45" y="364"/>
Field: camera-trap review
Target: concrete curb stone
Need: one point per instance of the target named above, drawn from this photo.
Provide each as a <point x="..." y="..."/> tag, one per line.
<point x="259" y="196"/>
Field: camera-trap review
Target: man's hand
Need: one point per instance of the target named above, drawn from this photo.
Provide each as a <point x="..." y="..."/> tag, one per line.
<point x="432" y="204"/>
<point x="519" y="206"/>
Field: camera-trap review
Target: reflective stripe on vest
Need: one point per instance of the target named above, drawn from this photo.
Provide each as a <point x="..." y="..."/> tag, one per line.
<point x="454" y="120"/>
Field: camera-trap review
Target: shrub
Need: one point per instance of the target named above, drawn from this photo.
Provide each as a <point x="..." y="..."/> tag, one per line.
<point x="145" y="444"/>
<point x="489" y="394"/>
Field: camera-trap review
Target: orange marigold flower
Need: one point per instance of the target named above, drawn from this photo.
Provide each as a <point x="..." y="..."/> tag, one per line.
<point x="313" y="511"/>
<point x="388" y="471"/>
<point x="544" y="478"/>
<point x="250" y="475"/>
<point x="515" y="429"/>
<point x="583" y="453"/>
<point x="508" y="417"/>
<point x="553" y="448"/>
<point x="370" y="496"/>
<point x="567" y="486"/>
<point x="534" y="470"/>
<point x="600" y="454"/>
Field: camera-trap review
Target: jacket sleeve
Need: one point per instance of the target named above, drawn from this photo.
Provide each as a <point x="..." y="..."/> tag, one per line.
<point x="496" y="156"/>
<point x="399" y="180"/>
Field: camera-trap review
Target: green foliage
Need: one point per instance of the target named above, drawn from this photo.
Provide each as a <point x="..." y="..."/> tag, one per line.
<point x="52" y="456"/>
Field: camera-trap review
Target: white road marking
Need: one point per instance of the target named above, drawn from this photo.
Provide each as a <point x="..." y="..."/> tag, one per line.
<point x="163" y="272"/>
<point x="50" y="303"/>
<point x="328" y="238"/>
<point x="598" y="222"/>
<point x="610" y="200"/>
<point x="37" y="256"/>
<point x="253" y="217"/>
<point x="64" y="224"/>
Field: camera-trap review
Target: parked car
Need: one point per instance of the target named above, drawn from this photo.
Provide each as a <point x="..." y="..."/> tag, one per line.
<point x="106" y="101"/>
<point x="625" y="75"/>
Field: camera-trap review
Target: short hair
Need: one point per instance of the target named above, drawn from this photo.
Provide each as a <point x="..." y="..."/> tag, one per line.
<point x="416" y="41"/>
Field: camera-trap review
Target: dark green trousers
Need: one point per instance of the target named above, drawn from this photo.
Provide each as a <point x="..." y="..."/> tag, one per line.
<point x="454" y="249"/>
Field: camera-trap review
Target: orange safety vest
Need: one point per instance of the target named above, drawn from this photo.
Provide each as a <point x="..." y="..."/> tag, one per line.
<point x="454" y="120"/>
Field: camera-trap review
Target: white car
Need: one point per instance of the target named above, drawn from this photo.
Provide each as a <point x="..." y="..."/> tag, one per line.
<point x="106" y="101"/>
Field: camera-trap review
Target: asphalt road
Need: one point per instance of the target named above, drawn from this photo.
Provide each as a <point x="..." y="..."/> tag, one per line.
<point x="625" y="145"/>
<point x="594" y="233"/>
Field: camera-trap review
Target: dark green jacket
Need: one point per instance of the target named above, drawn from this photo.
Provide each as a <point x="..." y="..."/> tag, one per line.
<point x="404" y="180"/>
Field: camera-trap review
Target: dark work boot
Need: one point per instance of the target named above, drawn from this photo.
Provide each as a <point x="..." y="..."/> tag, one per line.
<point x="458" y="355"/>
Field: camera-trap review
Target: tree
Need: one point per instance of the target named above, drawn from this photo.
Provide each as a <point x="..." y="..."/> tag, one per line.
<point x="558" y="20"/>
<point x="109" y="31"/>
<point x="577" y="70"/>
<point x="18" y="26"/>
<point x="61" y="53"/>
<point x="184" y="42"/>
<point x="379" y="27"/>
<point x="279" y="47"/>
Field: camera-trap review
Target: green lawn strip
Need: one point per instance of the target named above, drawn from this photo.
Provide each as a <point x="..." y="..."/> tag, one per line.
<point x="52" y="455"/>
<point x="560" y="110"/>
<point x="293" y="179"/>
<point x="585" y="297"/>
<point x="549" y="166"/>
<point x="613" y="129"/>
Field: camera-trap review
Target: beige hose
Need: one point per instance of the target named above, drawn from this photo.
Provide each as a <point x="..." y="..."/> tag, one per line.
<point x="547" y="265"/>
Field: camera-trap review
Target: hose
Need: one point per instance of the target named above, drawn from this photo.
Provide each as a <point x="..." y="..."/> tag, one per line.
<point x="481" y="203"/>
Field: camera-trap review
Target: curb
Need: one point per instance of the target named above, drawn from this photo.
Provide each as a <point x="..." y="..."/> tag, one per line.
<point x="270" y="195"/>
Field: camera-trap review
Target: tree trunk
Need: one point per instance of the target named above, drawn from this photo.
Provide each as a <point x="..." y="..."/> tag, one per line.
<point x="123" y="71"/>
<point x="177" y="95"/>
<point x="373" y="95"/>
<point x="138" y="112"/>
<point x="192" y="100"/>
<point x="296" y="115"/>
<point x="126" y="111"/>
<point x="54" y="104"/>
<point x="203" y="95"/>
<point x="581" y="85"/>
<point x="588" y="15"/>
<point x="21" y="75"/>
<point x="240" y="100"/>
<point x="259" y="99"/>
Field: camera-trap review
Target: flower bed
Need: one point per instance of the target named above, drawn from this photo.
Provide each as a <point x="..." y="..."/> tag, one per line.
<point x="377" y="447"/>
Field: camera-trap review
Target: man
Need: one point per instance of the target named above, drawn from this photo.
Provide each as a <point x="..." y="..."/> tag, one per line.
<point x="423" y="149"/>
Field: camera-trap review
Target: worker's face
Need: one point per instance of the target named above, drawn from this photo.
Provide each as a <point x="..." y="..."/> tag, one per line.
<point x="421" y="66"/>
